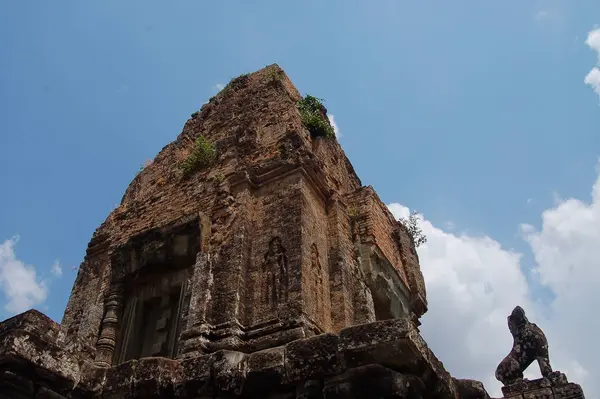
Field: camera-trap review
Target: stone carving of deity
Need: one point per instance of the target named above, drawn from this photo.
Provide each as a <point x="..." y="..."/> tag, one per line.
<point x="275" y="270"/>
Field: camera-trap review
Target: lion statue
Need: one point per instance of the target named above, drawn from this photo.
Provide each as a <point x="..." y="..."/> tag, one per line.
<point x="529" y="344"/>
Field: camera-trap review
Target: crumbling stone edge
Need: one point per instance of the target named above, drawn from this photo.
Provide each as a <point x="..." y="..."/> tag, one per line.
<point x="388" y="356"/>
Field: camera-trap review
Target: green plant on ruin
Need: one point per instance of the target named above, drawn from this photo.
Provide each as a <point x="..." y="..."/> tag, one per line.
<point x="352" y="212"/>
<point x="143" y="166"/>
<point x="313" y="118"/>
<point x="274" y="76"/>
<point x="413" y="228"/>
<point x="237" y="83"/>
<point x="139" y="170"/>
<point x="203" y="155"/>
<point x="219" y="178"/>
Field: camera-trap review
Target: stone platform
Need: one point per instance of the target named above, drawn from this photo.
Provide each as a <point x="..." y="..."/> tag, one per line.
<point x="555" y="386"/>
<point x="385" y="359"/>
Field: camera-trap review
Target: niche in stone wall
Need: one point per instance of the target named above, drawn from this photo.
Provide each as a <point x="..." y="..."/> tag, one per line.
<point x="381" y="300"/>
<point x="275" y="274"/>
<point x="157" y="267"/>
<point x="152" y="316"/>
<point x="387" y="290"/>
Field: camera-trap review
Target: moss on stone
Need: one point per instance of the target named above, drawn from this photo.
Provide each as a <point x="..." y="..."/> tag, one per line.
<point x="203" y="155"/>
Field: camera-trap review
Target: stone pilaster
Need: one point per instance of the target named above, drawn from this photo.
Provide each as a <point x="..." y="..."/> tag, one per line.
<point x="194" y="338"/>
<point x="106" y="344"/>
<point x="340" y="256"/>
<point x="228" y="291"/>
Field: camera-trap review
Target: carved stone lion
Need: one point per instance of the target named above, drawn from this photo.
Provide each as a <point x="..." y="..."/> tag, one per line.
<point x="529" y="344"/>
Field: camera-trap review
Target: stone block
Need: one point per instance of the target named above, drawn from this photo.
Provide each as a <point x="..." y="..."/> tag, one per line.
<point x="91" y="383"/>
<point x="544" y="393"/>
<point x="15" y="386"/>
<point x="154" y="377"/>
<point x="31" y="321"/>
<point x="21" y="345"/>
<point x="229" y="371"/>
<point x="524" y="385"/>
<point x="311" y="358"/>
<point x="381" y="342"/>
<point x="470" y="389"/>
<point x="265" y="371"/>
<point x="195" y="377"/>
<point x="119" y="381"/>
<point x="372" y="382"/>
<point x="555" y="386"/>
<point x="568" y="391"/>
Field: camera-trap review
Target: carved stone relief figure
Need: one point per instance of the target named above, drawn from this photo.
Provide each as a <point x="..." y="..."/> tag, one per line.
<point x="529" y="344"/>
<point x="275" y="270"/>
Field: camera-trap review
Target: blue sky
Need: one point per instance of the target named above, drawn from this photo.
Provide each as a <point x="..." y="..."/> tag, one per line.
<point x="474" y="113"/>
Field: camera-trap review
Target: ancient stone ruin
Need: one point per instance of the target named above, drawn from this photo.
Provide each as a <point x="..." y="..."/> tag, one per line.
<point x="248" y="261"/>
<point x="529" y="345"/>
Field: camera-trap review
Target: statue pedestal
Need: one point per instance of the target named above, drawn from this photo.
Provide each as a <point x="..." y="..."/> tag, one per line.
<point x="555" y="386"/>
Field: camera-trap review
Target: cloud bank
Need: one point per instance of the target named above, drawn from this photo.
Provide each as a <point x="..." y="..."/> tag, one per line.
<point x="19" y="282"/>
<point x="473" y="283"/>
<point x="593" y="77"/>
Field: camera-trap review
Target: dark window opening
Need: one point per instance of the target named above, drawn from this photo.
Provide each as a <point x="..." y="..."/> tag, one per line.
<point x="383" y="306"/>
<point x="151" y="324"/>
<point x="158" y="267"/>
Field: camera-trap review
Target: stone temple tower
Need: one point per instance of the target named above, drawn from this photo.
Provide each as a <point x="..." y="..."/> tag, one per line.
<point x="276" y="240"/>
<point x="247" y="260"/>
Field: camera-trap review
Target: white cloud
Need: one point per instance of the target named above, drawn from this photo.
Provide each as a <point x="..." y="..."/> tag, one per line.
<point x="593" y="76"/>
<point x="473" y="283"/>
<point x="336" y="130"/>
<point x="566" y="251"/>
<point x="18" y="281"/>
<point x="593" y="79"/>
<point x="219" y="86"/>
<point x="56" y="269"/>
<point x="593" y="40"/>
